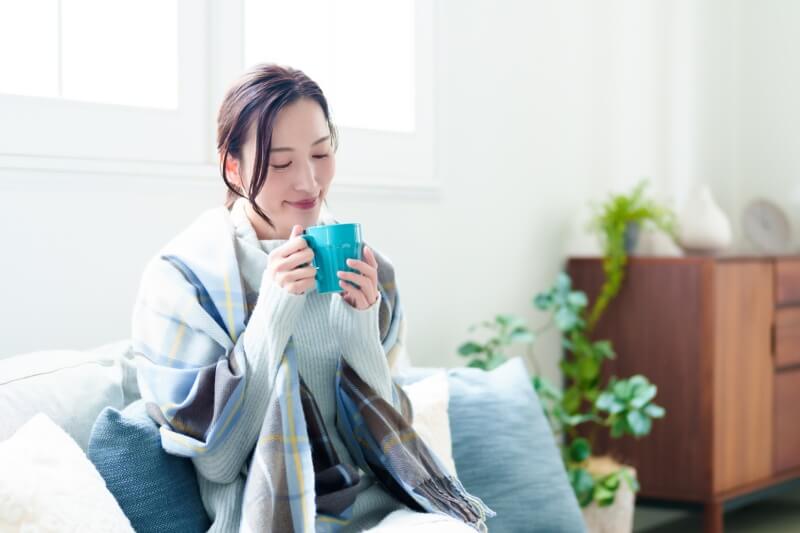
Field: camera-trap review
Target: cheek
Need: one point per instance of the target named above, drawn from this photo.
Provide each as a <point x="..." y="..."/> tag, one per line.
<point x="273" y="193"/>
<point x="326" y="170"/>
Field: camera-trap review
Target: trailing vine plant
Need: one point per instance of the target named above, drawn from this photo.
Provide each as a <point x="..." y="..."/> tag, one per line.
<point x="622" y="215"/>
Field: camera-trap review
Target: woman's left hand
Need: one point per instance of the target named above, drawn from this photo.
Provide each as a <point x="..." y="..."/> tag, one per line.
<point x="366" y="279"/>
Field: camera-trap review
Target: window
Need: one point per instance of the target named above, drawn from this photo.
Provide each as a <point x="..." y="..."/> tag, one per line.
<point x="374" y="62"/>
<point x="64" y="58"/>
<point x="106" y="80"/>
<point x="134" y="86"/>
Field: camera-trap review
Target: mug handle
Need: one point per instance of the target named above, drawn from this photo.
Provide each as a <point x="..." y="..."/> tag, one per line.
<point x="306" y="238"/>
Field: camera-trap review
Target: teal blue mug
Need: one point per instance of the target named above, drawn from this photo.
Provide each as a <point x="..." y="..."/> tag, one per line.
<point x="333" y="245"/>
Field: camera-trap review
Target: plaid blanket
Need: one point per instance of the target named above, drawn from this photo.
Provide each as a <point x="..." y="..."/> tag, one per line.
<point x="188" y="323"/>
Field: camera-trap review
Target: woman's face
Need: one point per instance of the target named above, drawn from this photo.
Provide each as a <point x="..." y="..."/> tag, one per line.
<point x="300" y="170"/>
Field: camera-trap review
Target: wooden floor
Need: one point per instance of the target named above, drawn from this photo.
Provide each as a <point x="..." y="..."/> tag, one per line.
<point x="779" y="514"/>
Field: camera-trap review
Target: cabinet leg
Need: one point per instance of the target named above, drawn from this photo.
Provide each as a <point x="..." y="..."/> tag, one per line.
<point x="713" y="520"/>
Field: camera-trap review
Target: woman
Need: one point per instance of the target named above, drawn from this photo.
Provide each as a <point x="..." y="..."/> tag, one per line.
<point x="282" y="396"/>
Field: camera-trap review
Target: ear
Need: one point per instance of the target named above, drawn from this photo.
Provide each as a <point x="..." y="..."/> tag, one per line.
<point x="232" y="170"/>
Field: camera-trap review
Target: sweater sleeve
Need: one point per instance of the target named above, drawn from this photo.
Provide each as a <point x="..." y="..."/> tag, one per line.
<point x="359" y="339"/>
<point x="270" y="325"/>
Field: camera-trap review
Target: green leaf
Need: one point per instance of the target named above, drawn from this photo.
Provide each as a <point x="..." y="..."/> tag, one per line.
<point x="618" y="428"/>
<point x="565" y="319"/>
<point x="579" y="450"/>
<point x="546" y="389"/>
<point x="522" y="335"/>
<point x="638" y="382"/>
<point x="633" y="483"/>
<point x="622" y="390"/>
<point x="583" y="485"/>
<point x="477" y="363"/>
<point x="577" y="299"/>
<point x="588" y="369"/>
<point x="509" y="321"/>
<point x="638" y="423"/>
<point x="563" y="282"/>
<point x="611" y="481"/>
<point x="495" y="360"/>
<point x="572" y="400"/>
<point x="643" y="395"/>
<point x="604" y="496"/>
<point x="607" y="402"/>
<point x="591" y="395"/>
<point x="470" y="348"/>
<point x="603" y="349"/>
<point x="543" y="301"/>
<point x="568" y="368"/>
<point x="582" y="346"/>
<point x="654" y="411"/>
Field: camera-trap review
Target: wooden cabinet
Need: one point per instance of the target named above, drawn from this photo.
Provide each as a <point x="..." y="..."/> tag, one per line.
<point x="787" y="420"/>
<point x="721" y="340"/>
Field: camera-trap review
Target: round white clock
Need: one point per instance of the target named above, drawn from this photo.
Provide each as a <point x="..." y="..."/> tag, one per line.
<point x="767" y="226"/>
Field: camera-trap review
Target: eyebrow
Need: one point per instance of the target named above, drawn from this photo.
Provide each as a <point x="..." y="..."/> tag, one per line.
<point x="287" y="149"/>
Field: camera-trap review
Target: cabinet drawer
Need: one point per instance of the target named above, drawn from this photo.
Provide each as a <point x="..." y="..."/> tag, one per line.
<point x="787" y="336"/>
<point x="787" y="415"/>
<point x="787" y="281"/>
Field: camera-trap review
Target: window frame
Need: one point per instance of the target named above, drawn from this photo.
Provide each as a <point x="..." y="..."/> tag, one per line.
<point x="182" y="143"/>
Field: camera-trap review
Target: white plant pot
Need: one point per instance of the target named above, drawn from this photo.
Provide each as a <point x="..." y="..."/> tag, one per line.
<point x="617" y="517"/>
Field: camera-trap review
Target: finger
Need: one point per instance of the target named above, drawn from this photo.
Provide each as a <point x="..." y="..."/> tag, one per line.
<point x="360" y="280"/>
<point x="298" y="274"/>
<point x="357" y="297"/>
<point x="297" y="229"/>
<point x="369" y="255"/>
<point x="295" y="243"/>
<point x="300" y="287"/>
<point x="295" y="260"/>
<point x="364" y="268"/>
<point x="365" y="285"/>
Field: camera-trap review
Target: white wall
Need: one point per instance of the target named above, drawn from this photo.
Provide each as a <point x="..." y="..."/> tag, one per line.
<point x="540" y="107"/>
<point x="768" y="143"/>
<point x="514" y="157"/>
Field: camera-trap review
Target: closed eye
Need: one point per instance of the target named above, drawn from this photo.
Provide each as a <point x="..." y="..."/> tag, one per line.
<point x="282" y="166"/>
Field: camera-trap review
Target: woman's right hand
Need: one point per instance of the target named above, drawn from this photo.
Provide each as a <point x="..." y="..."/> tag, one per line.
<point x="284" y="265"/>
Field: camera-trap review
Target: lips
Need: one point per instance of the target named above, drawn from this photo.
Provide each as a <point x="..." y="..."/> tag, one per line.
<point x="305" y="204"/>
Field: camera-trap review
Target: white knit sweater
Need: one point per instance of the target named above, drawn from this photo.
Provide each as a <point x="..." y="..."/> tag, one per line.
<point x="324" y="327"/>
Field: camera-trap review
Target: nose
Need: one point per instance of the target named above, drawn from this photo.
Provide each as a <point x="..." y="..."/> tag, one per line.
<point x="306" y="180"/>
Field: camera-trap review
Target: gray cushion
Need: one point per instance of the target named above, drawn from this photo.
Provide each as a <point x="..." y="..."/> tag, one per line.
<point x="505" y="452"/>
<point x="69" y="386"/>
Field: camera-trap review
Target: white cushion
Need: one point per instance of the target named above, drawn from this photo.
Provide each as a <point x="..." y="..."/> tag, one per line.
<point x="69" y="386"/>
<point x="429" y="399"/>
<point x="48" y="484"/>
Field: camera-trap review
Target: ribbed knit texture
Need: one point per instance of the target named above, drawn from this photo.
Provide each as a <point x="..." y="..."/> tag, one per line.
<point x="323" y="327"/>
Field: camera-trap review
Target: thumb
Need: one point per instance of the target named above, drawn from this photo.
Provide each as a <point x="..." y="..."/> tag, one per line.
<point x="297" y="229"/>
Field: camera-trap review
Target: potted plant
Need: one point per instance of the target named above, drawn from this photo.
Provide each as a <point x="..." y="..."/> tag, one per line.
<point x="619" y="221"/>
<point x="604" y="488"/>
<point x="619" y="406"/>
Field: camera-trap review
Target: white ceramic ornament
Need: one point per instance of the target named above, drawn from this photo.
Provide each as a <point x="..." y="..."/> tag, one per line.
<point x="703" y="226"/>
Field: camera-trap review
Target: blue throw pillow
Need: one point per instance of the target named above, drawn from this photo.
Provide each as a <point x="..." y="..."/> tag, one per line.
<point x="506" y="454"/>
<point x="156" y="491"/>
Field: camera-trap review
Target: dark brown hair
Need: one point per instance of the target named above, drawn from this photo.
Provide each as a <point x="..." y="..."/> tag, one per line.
<point x="259" y="94"/>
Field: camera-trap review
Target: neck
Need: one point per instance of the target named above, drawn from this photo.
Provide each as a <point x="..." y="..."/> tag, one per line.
<point x="263" y="230"/>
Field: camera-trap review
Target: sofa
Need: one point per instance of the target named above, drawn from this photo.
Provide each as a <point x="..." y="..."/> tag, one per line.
<point x="65" y="414"/>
